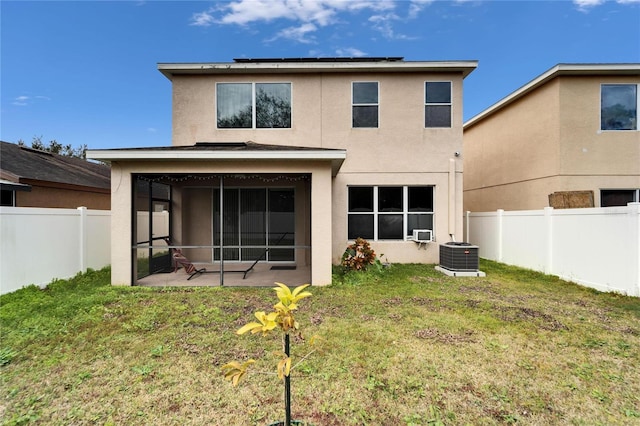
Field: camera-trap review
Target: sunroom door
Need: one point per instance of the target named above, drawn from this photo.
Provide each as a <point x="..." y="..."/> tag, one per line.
<point x="257" y="224"/>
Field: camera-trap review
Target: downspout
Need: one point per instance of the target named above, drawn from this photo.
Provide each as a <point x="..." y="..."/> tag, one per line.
<point x="221" y="232"/>
<point x="452" y="199"/>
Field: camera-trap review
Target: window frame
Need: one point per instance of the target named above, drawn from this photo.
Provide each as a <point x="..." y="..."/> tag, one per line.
<point x="428" y="104"/>
<point x="254" y="111"/>
<point x="6" y="193"/>
<point x="634" y="191"/>
<point x="637" y="127"/>
<point x="376" y="213"/>
<point x="355" y="105"/>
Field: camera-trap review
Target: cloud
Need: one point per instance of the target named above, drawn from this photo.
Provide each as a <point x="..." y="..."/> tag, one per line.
<point x="351" y="52"/>
<point x="416" y="6"/>
<point x="586" y="5"/>
<point x="299" y="34"/>
<point x="21" y="100"/>
<point x="384" y="24"/>
<point x="310" y="14"/>
<point x="28" y="100"/>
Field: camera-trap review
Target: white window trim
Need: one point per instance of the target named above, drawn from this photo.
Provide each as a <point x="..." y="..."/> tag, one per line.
<point x="600" y="129"/>
<point x="405" y="210"/>
<point x="353" y="104"/>
<point x="253" y="105"/>
<point x="424" y="97"/>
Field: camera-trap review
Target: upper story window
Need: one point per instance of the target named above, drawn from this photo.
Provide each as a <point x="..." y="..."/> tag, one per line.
<point x="388" y="212"/>
<point x="253" y="105"/>
<point x="437" y="104"/>
<point x="364" y="97"/>
<point x="619" y="107"/>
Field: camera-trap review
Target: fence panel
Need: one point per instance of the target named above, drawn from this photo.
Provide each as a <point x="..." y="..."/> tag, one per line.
<point x="524" y="239"/>
<point x="38" y="245"/>
<point x="594" y="247"/>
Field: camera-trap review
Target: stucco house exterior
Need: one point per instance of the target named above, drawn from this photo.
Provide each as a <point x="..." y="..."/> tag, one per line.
<point x="573" y="130"/>
<point x="34" y="178"/>
<point x="301" y="156"/>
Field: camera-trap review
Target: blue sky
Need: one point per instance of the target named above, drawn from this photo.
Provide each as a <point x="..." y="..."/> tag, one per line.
<point x="85" y="72"/>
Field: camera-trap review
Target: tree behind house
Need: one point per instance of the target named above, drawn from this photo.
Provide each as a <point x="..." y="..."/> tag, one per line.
<point x="56" y="147"/>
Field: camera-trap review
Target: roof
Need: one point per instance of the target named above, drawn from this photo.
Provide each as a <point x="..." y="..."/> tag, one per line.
<point x="21" y="164"/>
<point x="223" y="151"/>
<point x="557" y="71"/>
<point x="12" y="186"/>
<point x="315" y="65"/>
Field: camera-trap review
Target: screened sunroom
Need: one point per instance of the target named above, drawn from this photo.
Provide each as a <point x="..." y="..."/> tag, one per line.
<point x="232" y="228"/>
<point x="240" y="214"/>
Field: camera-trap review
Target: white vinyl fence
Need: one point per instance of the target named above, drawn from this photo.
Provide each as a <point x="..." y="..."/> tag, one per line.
<point x="594" y="247"/>
<point x="38" y="245"/>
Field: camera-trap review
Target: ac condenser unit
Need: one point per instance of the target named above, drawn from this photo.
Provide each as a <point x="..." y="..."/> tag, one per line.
<point x="462" y="257"/>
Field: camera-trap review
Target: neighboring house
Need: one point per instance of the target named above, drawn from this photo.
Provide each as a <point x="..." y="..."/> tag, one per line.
<point x="302" y="156"/>
<point x="34" y="178"/>
<point x="569" y="138"/>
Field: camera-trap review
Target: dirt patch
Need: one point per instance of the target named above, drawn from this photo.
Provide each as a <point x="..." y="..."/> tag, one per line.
<point x="540" y="319"/>
<point x="447" y="338"/>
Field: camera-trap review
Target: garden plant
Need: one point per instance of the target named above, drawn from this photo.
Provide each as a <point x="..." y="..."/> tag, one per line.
<point x="282" y="319"/>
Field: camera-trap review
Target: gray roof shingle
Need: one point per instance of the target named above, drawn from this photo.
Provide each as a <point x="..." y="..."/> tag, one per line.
<point x="18" y="163"/>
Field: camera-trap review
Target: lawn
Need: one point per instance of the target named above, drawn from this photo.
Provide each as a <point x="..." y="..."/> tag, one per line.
<point x="406" y="347"/>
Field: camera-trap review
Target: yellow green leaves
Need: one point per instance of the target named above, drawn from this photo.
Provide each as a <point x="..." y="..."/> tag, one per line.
<point x="288" y="298"/>
<point x="266" y="324"/>
<point x="282" y="317"/>
<point x="234" y="371"/>
<point x="284" y="367"/>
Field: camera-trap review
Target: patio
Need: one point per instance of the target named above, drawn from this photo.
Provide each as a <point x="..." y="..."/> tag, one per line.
<point x="262" y="275"/>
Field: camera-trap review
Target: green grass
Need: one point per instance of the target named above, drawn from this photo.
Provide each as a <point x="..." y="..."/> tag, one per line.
<point x="406" y="347"/>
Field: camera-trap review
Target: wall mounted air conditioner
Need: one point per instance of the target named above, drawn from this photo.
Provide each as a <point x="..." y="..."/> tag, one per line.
<point x="422" y="235"/>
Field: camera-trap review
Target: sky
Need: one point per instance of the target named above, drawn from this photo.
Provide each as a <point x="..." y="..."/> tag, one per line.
<point x="85" y="72"/>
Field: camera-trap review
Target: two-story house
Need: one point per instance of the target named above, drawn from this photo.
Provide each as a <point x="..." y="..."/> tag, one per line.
<point x="572" y="131"/>
<point x="286" y="161"/>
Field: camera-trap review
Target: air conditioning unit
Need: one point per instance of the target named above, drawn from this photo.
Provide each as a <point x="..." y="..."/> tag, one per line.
<point x="422" y="235"/>
<point x="459" y="257"/>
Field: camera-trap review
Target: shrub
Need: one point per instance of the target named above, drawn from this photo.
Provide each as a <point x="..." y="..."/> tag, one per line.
<point x="359" y="256"/>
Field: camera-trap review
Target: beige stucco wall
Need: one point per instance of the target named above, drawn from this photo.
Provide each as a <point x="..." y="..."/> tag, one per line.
<point x="121" y="221"/>
<point x="65" y="198"/>
<point x="585" y="150"/>
<point x="399" y="152"/>
<point x="545" y="142"/>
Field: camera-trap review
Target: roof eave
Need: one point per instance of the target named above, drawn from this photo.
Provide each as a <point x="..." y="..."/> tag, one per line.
<point x="556" y="71"/>
<point x="336" y="157"/>
<point x="171" y="69"/>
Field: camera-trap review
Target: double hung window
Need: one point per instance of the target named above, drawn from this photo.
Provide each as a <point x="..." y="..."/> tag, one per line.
<point x="253" y="105"/>
<point x="364" y="97"/>
<point x="619" y="107"/>
<point x="389" y="212"/>
<point x="437" y="104"/>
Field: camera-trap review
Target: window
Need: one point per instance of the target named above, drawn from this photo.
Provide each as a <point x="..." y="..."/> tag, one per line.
<point x="619" y="107"/>
<point x="388" y="212"/>
<point x="253" y="105"/>
<point x="7" y="198"/>
<point x="437" y="108"/>
<point x="365" y="104"/>
<point x="618" y="197"/>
